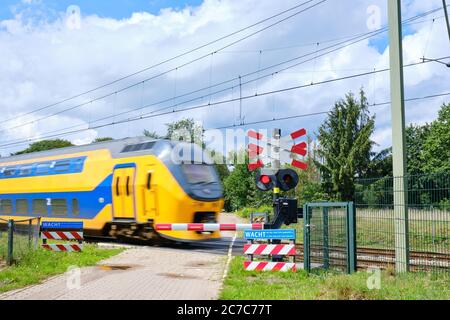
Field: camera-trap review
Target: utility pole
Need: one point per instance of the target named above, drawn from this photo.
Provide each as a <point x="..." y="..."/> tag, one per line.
<point x="398" y="137"/>
<point x="444" y="4"/>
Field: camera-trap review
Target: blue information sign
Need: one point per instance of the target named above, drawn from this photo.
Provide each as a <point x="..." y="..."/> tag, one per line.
<point x="277" y="234"/>
<point x="61" y="225"/>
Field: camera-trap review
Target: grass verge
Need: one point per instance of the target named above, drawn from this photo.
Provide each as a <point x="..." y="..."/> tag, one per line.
<point x="40" y="264"/>
<point x="243" y="285"/>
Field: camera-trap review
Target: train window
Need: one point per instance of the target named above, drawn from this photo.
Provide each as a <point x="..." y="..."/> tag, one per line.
<point x="148" y="145"/>
<point x="139" y="147"/>
<point x="149" y="181"/>
<point x="5" y="206"/>
<point x="22" y="206"/>
<point x="75" y="207"/>
<point x="197" y="173"/>
<point x="127" y="148"/>
<point x="62" y="166"/>
<point x="135" y="147"/>
<point x="59" y="207"/>
<point x="25" y="171"/>
<point x="43" y="168"/>
<point x="78" y="164"/>
<point x="39" y="206"/>
<point x="9" y="172"/>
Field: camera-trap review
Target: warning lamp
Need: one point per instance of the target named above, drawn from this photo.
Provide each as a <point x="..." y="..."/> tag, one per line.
<point x="287" y="179"/>
<point x="265" y="182"/>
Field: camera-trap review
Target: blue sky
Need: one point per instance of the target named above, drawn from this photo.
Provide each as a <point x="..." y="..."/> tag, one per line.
<point x="104" y="8"/>
<point x="121" y="9"/>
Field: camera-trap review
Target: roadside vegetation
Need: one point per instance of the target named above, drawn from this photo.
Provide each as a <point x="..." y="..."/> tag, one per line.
<point x="39" y="264"/>
<point x="245" y="285"/>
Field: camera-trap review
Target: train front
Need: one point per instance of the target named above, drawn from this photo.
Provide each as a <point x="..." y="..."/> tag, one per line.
<point x="197" y="195"/>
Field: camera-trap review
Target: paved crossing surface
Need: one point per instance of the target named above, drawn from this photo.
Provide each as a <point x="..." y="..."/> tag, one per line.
<point x="180" y="273"/>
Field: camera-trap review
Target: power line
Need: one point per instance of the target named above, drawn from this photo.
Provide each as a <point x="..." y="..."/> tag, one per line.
<point x="369" y="34"/>
<point x="6" y="144"/>
<point x="304" y="115"/>
<point x="178" y="56"/>
<point x="309" y="44"/>
<point x="365" y="36"/>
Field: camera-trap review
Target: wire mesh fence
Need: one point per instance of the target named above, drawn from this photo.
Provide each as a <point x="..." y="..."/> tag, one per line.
<point x="18" y="238"/>
<point x="428" y="223"/>
<point x="328" y="239"/>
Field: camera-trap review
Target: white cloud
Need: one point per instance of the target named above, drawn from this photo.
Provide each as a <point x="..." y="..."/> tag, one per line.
<point x="44" y="61"/>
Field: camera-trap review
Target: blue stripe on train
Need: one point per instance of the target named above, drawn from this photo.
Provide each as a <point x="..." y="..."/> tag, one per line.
<point x="90" y="203"/>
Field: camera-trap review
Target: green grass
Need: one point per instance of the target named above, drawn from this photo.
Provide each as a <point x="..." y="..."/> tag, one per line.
<point x="39" y="264"/>
<point x="246" y="212"/>
<point x="242" y="284"/>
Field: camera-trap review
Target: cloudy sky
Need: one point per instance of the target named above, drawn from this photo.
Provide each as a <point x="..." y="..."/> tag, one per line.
<point x="53" y="50"/>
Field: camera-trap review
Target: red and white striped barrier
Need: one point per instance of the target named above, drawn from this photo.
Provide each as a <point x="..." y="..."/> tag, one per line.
<point x="270" y="249"/>
<point x="63" y="247"/>
<point x="207" y="227"/>
<point x="269" y="266"/>
<point x="62" y="235"/>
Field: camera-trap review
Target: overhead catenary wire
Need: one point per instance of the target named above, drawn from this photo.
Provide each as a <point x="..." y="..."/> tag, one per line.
<point x="172" y="107"/>
<point x="6" y="144"/>
<point x="179" y="56"/>
<point x="444" y="5"/>
<point x="321" y="113"/>
<point x="364" y="37"/>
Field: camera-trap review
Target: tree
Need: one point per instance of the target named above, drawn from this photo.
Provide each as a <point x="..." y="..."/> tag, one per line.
<point x="45" y="145"/>
<point x="380" y="164"/>
<point x="436" y="149"/>
<point x="345" y="145"/>
<point x="416" y="137"/>
<point x="152" y="135"/>
<point x="185" y="129"/>
<point x="102" y="139"/>
<point x="240" y="188"/>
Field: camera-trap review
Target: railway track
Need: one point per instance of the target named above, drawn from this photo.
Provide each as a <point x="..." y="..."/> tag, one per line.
<point x="384" y="258"/>
<point x="366" y="257"/>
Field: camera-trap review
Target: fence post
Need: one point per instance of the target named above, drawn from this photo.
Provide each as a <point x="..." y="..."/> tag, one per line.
<point x="30" y="230"/>
<point x="10" y="241"/>
<point x="326" y="248"/>
<point x="351" y="237"/>
<point x="38" y="235"/>
<point x="306" y="257"/>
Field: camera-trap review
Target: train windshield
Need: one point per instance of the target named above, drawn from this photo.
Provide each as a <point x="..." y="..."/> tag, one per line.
<point x="199" y="173"/>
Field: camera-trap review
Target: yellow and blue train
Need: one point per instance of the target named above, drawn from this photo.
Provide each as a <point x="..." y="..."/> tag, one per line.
<point x="118" y="188"/>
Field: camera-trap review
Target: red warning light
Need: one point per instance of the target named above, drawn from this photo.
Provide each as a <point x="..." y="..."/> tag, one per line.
<point x="265" y="179"/>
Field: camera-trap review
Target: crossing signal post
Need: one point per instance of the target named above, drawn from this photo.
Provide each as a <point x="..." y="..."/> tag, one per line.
<point x="274" y="178"/>
<point x="285" y="209"/>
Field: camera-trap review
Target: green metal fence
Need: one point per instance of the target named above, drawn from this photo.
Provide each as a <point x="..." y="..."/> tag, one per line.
<point x="17" y="238"/>
<point x="329" y="236"/>
<point x="428" y="205"/>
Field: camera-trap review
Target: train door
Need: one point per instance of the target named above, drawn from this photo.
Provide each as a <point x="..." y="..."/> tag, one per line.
<point x="123" y="193"/>
<point x="150" y="199"/>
